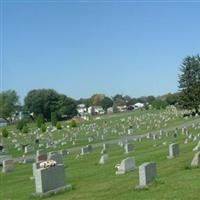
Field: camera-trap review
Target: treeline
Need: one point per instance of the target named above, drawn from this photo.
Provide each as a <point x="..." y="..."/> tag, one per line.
<point x="47" y="101"/>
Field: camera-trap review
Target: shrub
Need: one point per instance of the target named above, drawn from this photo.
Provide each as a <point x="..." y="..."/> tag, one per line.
<point x="43" y="128"/>
<point x="25" y="129"/>
<point x="40" y="120"/>
<point x="20" y="124"/>
<point x="73" y="124"/>
<point x="5" y="132"/>
<point x="54" y="118"/>
<point x="58" y="125"/>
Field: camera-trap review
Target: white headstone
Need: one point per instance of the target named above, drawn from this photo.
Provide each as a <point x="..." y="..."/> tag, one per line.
<point x="126" y="165"/>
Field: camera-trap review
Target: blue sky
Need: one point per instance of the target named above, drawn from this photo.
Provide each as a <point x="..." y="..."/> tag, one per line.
<point x="84" y="47"/>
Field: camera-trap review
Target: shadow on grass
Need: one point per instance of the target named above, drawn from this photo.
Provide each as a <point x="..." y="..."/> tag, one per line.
<point x="61" y="192"/>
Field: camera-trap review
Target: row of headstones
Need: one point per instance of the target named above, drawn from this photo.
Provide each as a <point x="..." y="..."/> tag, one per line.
<point x="147" y="171"/>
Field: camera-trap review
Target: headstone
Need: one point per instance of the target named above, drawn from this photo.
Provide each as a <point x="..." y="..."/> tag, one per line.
<point x="50" y="179"/>
<point x="4" y="157"/>
<point x="56" y="156"/>
<point x="173" y="150"/>
<point x="128" y="148"/>
<point x="196" y="160"/>
<point x="103" y="151"/>
<point x="126" y="165"/>
<point x="35" y="166"/>
<point x="103" y="159"/>
<point x="197" y="148"/>
<point x="89" y="146"/>
<point x="64" y="152"/>
<point x="105" y="146"/>
<point x="147" y="173"/>
<point x="84" y="150"/>
<point x="7" y="165"/>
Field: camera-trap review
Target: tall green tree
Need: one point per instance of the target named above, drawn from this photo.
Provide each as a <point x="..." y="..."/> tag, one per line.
<point x="46" y="101"/>
<point x="66" y="106"/>
<point x="54" y="118"/>
<point x="106" y="103"/>
<point x="8" y="102"/>
<point x="42" y="101"/>
<point x="189" y="83"/>
<point x="119" y="100"/>
<point x="96" y="99"/>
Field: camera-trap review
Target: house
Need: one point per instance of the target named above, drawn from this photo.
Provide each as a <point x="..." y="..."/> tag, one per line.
<point x="81" y="109"/>
<point x="110" y="110"/>
<point x="122" y="108"/>
<point x="96" y="110"/>
<point x="3" y="122"/>
<point x="138" y="105"/>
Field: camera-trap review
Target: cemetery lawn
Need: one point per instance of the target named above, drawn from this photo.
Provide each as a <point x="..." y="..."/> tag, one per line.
<point x="91" y="181"/>
<point x="94" y="182"/>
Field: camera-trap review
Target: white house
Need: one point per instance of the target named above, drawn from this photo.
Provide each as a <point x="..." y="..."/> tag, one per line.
<point x="81" y="109"/>
<point x="110" y="110"/>
<point x="94" y="110"/>
<point x="3" y="122"/>
<point x="122" y="108"/>
<point x="138" y="105"/>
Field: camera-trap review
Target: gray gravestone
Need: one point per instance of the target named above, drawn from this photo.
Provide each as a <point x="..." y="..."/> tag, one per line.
<point x="126" y="165"/>
<point x="103" y="159"/>
<point x="49" y="179"/>
<point x="147" y="173"/>
<point x="7" y="165"/>
<point x="173" y="150"/>
<point x="128" y="148"/>
<point x="196" y="160"/>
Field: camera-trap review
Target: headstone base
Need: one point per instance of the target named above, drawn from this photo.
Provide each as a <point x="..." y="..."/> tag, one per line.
<point x="60" y="189"/>
<point x="141" y="187"/>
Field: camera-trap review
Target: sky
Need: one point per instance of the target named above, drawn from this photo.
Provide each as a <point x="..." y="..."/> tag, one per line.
<point x="80" y="48"/>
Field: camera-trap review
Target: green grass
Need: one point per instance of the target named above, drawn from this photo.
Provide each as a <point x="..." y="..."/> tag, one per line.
<point x="90" y="181"/>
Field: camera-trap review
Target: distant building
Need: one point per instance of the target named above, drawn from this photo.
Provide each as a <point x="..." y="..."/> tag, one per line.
<point x="96" y="110"/>
<point x="110" y="110"/>
<point x="138" y="105"/>
<point x="81" y="108"/>
<point x="122" y="108"/>
<point x="3" y="122"/>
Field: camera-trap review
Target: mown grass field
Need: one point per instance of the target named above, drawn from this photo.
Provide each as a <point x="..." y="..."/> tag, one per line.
<point x="91" y="181"/>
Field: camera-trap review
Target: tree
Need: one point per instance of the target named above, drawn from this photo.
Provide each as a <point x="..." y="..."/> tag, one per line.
<point x="42" y="101"/>
<point x="189" y="83"/>
<point x="45" y="101"/>
<point x="106" y="103"/>
<point x="84" y="101"/>
<point x="150" y="99"/>
<point x="54" y="119"/>
<point x="96" y="99"/>
<point x="172" y="99"/>
<point x="8" y="103"/>
<point x="119" y="100"/>
<point x="66" y="106"/>
<point x="159" y="104"/>
<point x="20" y="124"/>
